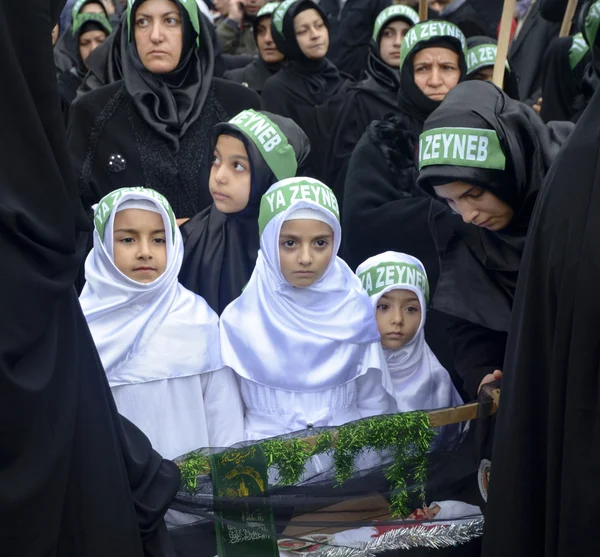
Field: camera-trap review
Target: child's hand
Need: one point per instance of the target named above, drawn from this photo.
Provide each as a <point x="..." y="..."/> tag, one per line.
<point x="490" y="378"/>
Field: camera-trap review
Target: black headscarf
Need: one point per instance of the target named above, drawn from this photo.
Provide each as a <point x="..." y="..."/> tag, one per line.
<point x="170" y="103"/>
<point x="411" y="100"/>
<point x="221" y="249"/>
<point x="479" y="58"/>
<point x="321" y="76"/>
<point x="479" y="268"/>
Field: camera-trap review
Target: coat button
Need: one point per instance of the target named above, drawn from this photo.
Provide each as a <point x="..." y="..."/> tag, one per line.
<point x="116" y="163"/>
<point x="309" y="426"/>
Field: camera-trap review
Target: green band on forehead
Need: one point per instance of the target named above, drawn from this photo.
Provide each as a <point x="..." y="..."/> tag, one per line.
<point x="270" y="141"/>
<point x="76" y="7"/>
<point x="482" y="56"/>
<point x="284" y="197"/>
<point x="429" y="30"/>
<point x="279" y="15"/>
<point x="592" y="21"/>
<point x="461" y="147"/>
<point x="394" y="12"/>
<point x="108" y="202"/>
<point x="267" y="9"/>
<point x="578" y="50"/>
<point x="190" y="7"/>
<point x="386" y="274"/>
<point x="99" y="18"/>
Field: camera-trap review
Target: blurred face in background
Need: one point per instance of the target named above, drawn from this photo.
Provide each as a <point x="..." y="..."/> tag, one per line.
<point x="221" y="6"/>
<point x="312" y="34"/>
<point x="266" y="45"/>
<point x="90" y="41"/>
<point x="55" y="32"/>
<point x="93" y="8"/>
<point x="439" y="5"/>
<point x="254" y="6"/>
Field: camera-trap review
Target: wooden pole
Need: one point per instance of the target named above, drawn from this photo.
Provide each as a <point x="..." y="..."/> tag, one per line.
<point x="565" y="28"/>
<point x="423" y="9"/>
<point x="503" y="41"/>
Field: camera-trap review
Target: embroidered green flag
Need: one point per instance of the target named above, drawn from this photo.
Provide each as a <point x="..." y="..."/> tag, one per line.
<point x="240" y="473"/>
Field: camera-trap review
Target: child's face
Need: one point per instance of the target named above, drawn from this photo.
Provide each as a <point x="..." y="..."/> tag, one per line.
<point x="230" y="175"/>
<point x="139" y="246"/>
<point x="398" y="316"/>
<point x="305" y="249"/>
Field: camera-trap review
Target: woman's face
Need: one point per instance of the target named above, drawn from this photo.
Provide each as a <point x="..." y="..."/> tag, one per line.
<point x="476" y="205"/>
<point x="436" y="71"/>
<point x="159" y="35"/>
<point x="89" y="41"/>
<point x="312" y="34"/>
<point x="266" y="45"/>
<point x="483" y="74"/>
<point x="390" y="42"/>
<point x="222" y="6"/>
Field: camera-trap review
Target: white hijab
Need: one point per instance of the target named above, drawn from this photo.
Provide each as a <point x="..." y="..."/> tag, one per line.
<point x="420" y="381"/>
<point x="145" y="332"/>
<point x="298" y="339"/>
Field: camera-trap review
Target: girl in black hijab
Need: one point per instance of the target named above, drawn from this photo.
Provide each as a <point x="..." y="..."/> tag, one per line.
<point x="301" y="32"/>
<point x="221" y="244"/>
<point x="152" y="127"/>
<point x="90" y="30"/>
<point x="485" y="156"/>
<point x="383" y="208"/>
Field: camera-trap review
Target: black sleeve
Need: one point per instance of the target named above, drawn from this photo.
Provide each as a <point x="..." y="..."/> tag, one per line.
<point x="350" y="49"/>
<point x="477" y="352"/>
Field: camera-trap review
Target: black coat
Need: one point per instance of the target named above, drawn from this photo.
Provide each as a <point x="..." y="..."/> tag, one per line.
<point x="113" y="147"/>
<point x="253" y="75"/>
<point x="76" y="478"/>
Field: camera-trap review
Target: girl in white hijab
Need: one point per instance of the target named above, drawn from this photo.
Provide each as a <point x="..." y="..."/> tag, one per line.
<point x="158" y="342"/>
<point x="302" y="337"/>
<point x="399" y="290"/>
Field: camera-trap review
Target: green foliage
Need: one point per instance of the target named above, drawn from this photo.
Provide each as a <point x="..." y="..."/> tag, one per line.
<point x="406" y="436"/>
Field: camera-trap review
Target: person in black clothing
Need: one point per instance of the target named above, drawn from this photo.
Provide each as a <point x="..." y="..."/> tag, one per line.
<point x="383" y="208"/>
<point x="221" y="243"/>
<point x="484" y="156"/>
<point x="546" y="440"/>
<point x="152" y="127"/>
<point x="309" y="79"/>
<point x="345" y="118"/>
<point x="90" y="30"/>
<point x="269" y="60"/>
<point x="76" y="478"/>
<point x="481" y="58"/>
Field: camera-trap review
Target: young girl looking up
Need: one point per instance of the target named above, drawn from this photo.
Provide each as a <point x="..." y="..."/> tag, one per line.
<point x="398" y="287"/>
<point x="158" y="342"/>
<point x="250" y="153"/>
<point x="302" y="336"/>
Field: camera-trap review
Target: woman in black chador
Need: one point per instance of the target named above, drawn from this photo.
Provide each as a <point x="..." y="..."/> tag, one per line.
<point x="75" y="478"/>
<point x="485" y="157"/>
<point x="152" y="128"/>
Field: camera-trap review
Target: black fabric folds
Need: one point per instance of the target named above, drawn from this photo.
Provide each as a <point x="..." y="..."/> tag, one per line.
<point x="221" y="249"/>
<point x="75" y="478"/>
<point x="254" y="75"/>
<point x="547" y="439"/>
<point x="479" y="268"/>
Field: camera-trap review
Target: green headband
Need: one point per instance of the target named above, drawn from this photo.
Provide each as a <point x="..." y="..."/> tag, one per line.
<point x="592" y="21"/>
<point x="386" y="274"/>
<point x="269" y="140"/>
<point x="394" y="12"/>
<point x="578" y="50"/>
<point x="99" y="18"/>
<point x="277" y="201"/>
<point x="429" y="30"/>
<point x="279" y="14"/>
<point x="190" y="7"/>
<point x="472" y="147"/>
<point x="482" y="56"/>
<point x="77" y="6"/>
<point x="108" y="202"/>
<point x="267" y="9"/>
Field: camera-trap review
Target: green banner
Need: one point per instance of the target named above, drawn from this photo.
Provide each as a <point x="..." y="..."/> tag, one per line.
<point x="386" y="274"/>
<point x="474" y="147"/>
<point x="236" y="474"/>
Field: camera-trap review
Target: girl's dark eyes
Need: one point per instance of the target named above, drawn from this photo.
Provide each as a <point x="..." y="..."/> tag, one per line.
<point x="412" y="309"/>
<point x="289" y="243"/>
<point x="126" y="240"/>
<point x="160" y="240"/>
<point x="321" y="243"/>
<point x="382" y="307"/>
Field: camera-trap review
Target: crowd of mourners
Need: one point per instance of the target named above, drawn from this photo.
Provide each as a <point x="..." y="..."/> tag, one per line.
<point x="303" y="213"/>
